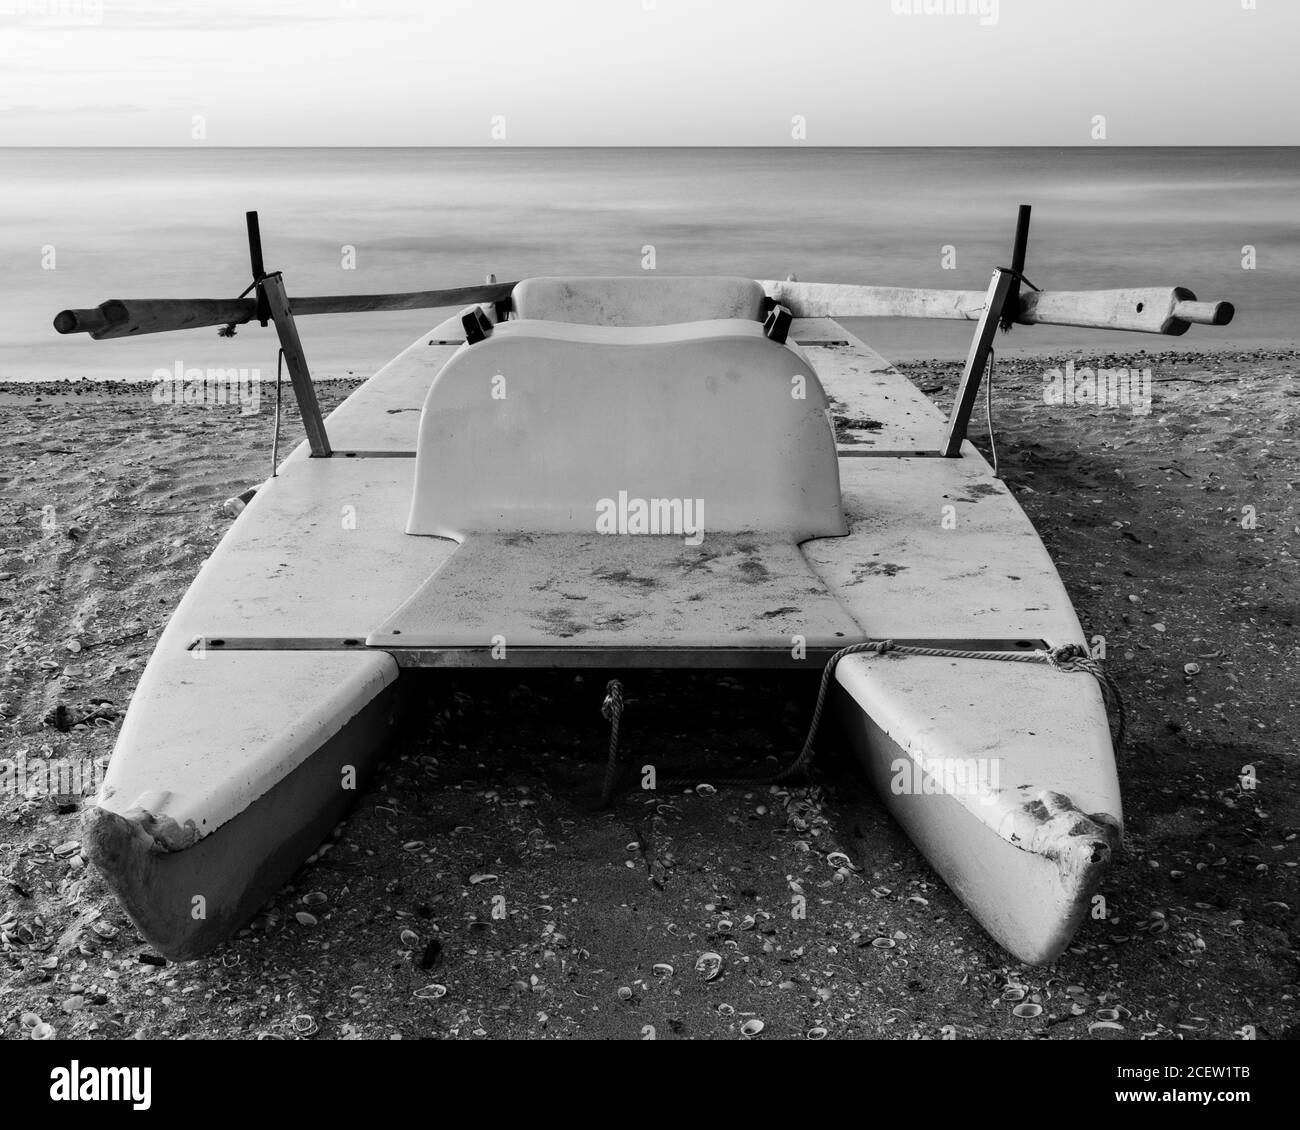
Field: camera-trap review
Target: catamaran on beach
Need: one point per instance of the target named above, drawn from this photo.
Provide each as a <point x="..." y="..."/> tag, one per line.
<point x="472" y="505"/>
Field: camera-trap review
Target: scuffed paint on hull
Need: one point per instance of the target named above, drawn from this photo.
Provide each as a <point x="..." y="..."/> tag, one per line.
<point x="1028" y="882"/>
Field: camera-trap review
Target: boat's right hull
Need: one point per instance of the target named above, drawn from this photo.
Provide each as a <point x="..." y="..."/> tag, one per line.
<point x="1030" y="893"/>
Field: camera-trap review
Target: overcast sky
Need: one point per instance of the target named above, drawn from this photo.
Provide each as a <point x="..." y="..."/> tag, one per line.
<point x="648" y="72"/>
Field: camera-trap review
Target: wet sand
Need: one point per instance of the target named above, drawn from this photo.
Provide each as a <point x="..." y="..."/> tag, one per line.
<point x="482" y="862"/>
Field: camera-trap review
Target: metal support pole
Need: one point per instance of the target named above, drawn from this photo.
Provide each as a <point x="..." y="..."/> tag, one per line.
<point x="272" y="286"/>
<point x="977" y="360"/>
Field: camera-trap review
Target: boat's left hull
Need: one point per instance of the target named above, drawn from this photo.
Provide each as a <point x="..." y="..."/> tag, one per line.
<point x="184" y="902"/>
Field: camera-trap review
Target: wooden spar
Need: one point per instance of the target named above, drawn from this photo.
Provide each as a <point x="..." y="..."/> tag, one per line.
<point x="1001" y="287"/>
<point x="412" y="300"/>
<point x="1204" y="313"/>
<point x="845" y="300"/>
<point x="131" y="317"/>
<point x="1157" y="310"/>
<point x="279" y="305"/>
<point x="126" y="318"/>
<point x="1160" y="310"/>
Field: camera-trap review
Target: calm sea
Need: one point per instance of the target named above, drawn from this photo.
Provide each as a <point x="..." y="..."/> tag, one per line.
<point x="153" y="223"/>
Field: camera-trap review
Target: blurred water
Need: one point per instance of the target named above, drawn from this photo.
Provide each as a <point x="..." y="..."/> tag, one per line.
<point x="164" y="223"/>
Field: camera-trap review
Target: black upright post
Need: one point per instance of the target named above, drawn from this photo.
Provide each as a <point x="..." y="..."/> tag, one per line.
<point x="263" y="314"/>
<point x="1018" y="251"/>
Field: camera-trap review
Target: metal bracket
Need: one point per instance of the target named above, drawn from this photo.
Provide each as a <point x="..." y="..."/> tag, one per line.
<point x="777" y="325"/>
<point x="592" y="657"/>
<point x="477" y="325"/>
<point x="977" y="360"/>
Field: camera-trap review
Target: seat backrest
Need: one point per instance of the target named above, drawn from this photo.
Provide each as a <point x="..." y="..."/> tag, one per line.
<point x="555" y="427"/>
<point x="638" y="300"/>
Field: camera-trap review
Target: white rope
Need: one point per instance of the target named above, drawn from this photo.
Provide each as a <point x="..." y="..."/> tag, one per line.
<point x="988" y="414"/>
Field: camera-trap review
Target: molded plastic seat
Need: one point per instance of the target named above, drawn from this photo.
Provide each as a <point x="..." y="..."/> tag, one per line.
<point x="638" y="300"/>
<point x="552" y="427"/>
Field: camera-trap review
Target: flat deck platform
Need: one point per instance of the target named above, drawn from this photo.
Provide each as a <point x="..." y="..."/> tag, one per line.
<point x="937" y="550"/>
<point x="621" y="592"/>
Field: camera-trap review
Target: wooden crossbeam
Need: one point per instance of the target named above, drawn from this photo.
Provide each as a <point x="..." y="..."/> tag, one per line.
<point x="1158" y="310"/>
<point x="130" y="317"/>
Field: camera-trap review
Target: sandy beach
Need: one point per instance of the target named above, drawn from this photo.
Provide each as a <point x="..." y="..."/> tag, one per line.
<point x="482" y="863"/>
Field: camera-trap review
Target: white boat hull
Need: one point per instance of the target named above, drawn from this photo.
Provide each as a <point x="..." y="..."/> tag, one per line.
<point x="972" y="768"/>
<point x="185" y="901"/>
<point x="227" y="772"/>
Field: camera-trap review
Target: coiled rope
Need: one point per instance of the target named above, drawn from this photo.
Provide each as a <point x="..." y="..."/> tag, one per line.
<point x="1068" y="658"/>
